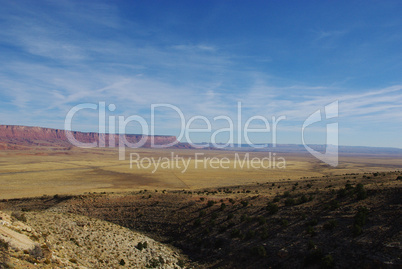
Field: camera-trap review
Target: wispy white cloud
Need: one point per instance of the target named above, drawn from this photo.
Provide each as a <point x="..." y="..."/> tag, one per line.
<point x="61" y="64"/>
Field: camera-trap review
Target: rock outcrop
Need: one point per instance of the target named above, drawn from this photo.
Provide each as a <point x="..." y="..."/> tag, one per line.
<point x="16" y="137"/>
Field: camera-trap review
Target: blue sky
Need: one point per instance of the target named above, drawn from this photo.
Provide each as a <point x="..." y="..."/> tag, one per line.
<point x="278" y="58"/>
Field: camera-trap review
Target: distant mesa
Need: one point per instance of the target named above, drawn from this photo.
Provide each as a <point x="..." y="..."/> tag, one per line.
<point x="14" y="137"/>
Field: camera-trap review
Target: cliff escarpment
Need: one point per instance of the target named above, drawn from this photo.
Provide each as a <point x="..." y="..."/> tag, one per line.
<point x="18" y="137"/>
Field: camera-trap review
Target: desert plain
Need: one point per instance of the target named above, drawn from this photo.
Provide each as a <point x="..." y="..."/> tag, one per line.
<point x="50" y="171"/>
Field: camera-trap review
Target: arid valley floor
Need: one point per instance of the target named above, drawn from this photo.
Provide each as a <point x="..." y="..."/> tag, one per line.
<point x="76" y="208"/>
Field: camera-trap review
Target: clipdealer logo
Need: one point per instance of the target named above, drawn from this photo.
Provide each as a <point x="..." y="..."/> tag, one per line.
<point x="242" y="130"/>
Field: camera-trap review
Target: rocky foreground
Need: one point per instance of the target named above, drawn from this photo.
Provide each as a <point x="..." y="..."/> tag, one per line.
<point x="338" y="221"/>
<point x="62" y="240"/>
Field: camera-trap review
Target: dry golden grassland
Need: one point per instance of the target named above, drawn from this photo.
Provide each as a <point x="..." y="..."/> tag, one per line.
<point x="76" y="171"/>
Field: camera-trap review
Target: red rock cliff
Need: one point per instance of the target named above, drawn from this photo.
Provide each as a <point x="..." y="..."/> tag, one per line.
<point x="24" y="135"/>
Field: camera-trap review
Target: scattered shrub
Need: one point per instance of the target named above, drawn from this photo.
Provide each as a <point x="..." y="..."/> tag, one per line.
<point x="284" y="222"/>
<point x="250" y="234"/>
<point x="223" y="206"/>
<point x="361" y="216"/>
<point x="181" y="263"/>
<point x="259" y="251"/>
<point x="272" y="208"/>
<point x="235" y="233"/>
<point x="210" y="203"/>
<point x="244" y="203"/>
<point x="4" y="245"/>
<point x="141" y="246"/>
<point x="153" y="263"/>
<point x="311" y="245"/>
<point x="264" y="233"/>
<point x="36" y="252"/>
<point x="357" y="230"/>
<point x="286" y="194"/>
<point x="19" y="216"/>
<point x="348" y="186"/>
<point x="290" y="202"/>
<point x="303" y="199"/>
<point x="360" y="220"/>
<point x="310" y="230"/>
<point x="334" y="204"/>
<point x="361" y="193"/>
<point x="342" y="193"/>
<point x="327" y="261"/>
<point x="197" y="222"/>
<point x="122" y="262"/>
<point x="276" y="199"/>
<point x="246" y="218"/>
<point x="261" y="220"/>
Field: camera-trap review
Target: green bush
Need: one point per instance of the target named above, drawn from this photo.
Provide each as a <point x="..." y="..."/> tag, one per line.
<point x="181" y="263"/>
<point x="264" y="233"/>
<point x="197" y="222"/>
<point x="259" y="251"/>
<point x="4" y="245"/>
<point x="311" y="245"/>
<point x="210" y="203"/>
<point x="342" y="193"/>
<point x="361" y="193"/>
<point x="250" y="234"/>
<point x="290" y="202"/>
<point x="122" y="262"/>
<point x="261" y="220"/>
<point x="357" y="230"/>
<point x="310" y="230"/>
<point x="359" y="221"/>
<point x="327" y="261"/>
<point x="139" y="246"/>
<point x="244" y="203"/>
<point x="303" y="199"/>
<point x="276" y="199"/>
<point x="284" y="222"/>
<point x="272" y="208"/>
<point x="235" y="233"/>
<point x="334" y="204"/>
<point x="361" y="216"/>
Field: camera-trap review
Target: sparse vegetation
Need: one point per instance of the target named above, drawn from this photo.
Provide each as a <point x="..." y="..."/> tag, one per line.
<point x="359" y="221"/>
<point x="19" y="216"/>
<point x="272" y="208"/>
<point x="243" y="225"/>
